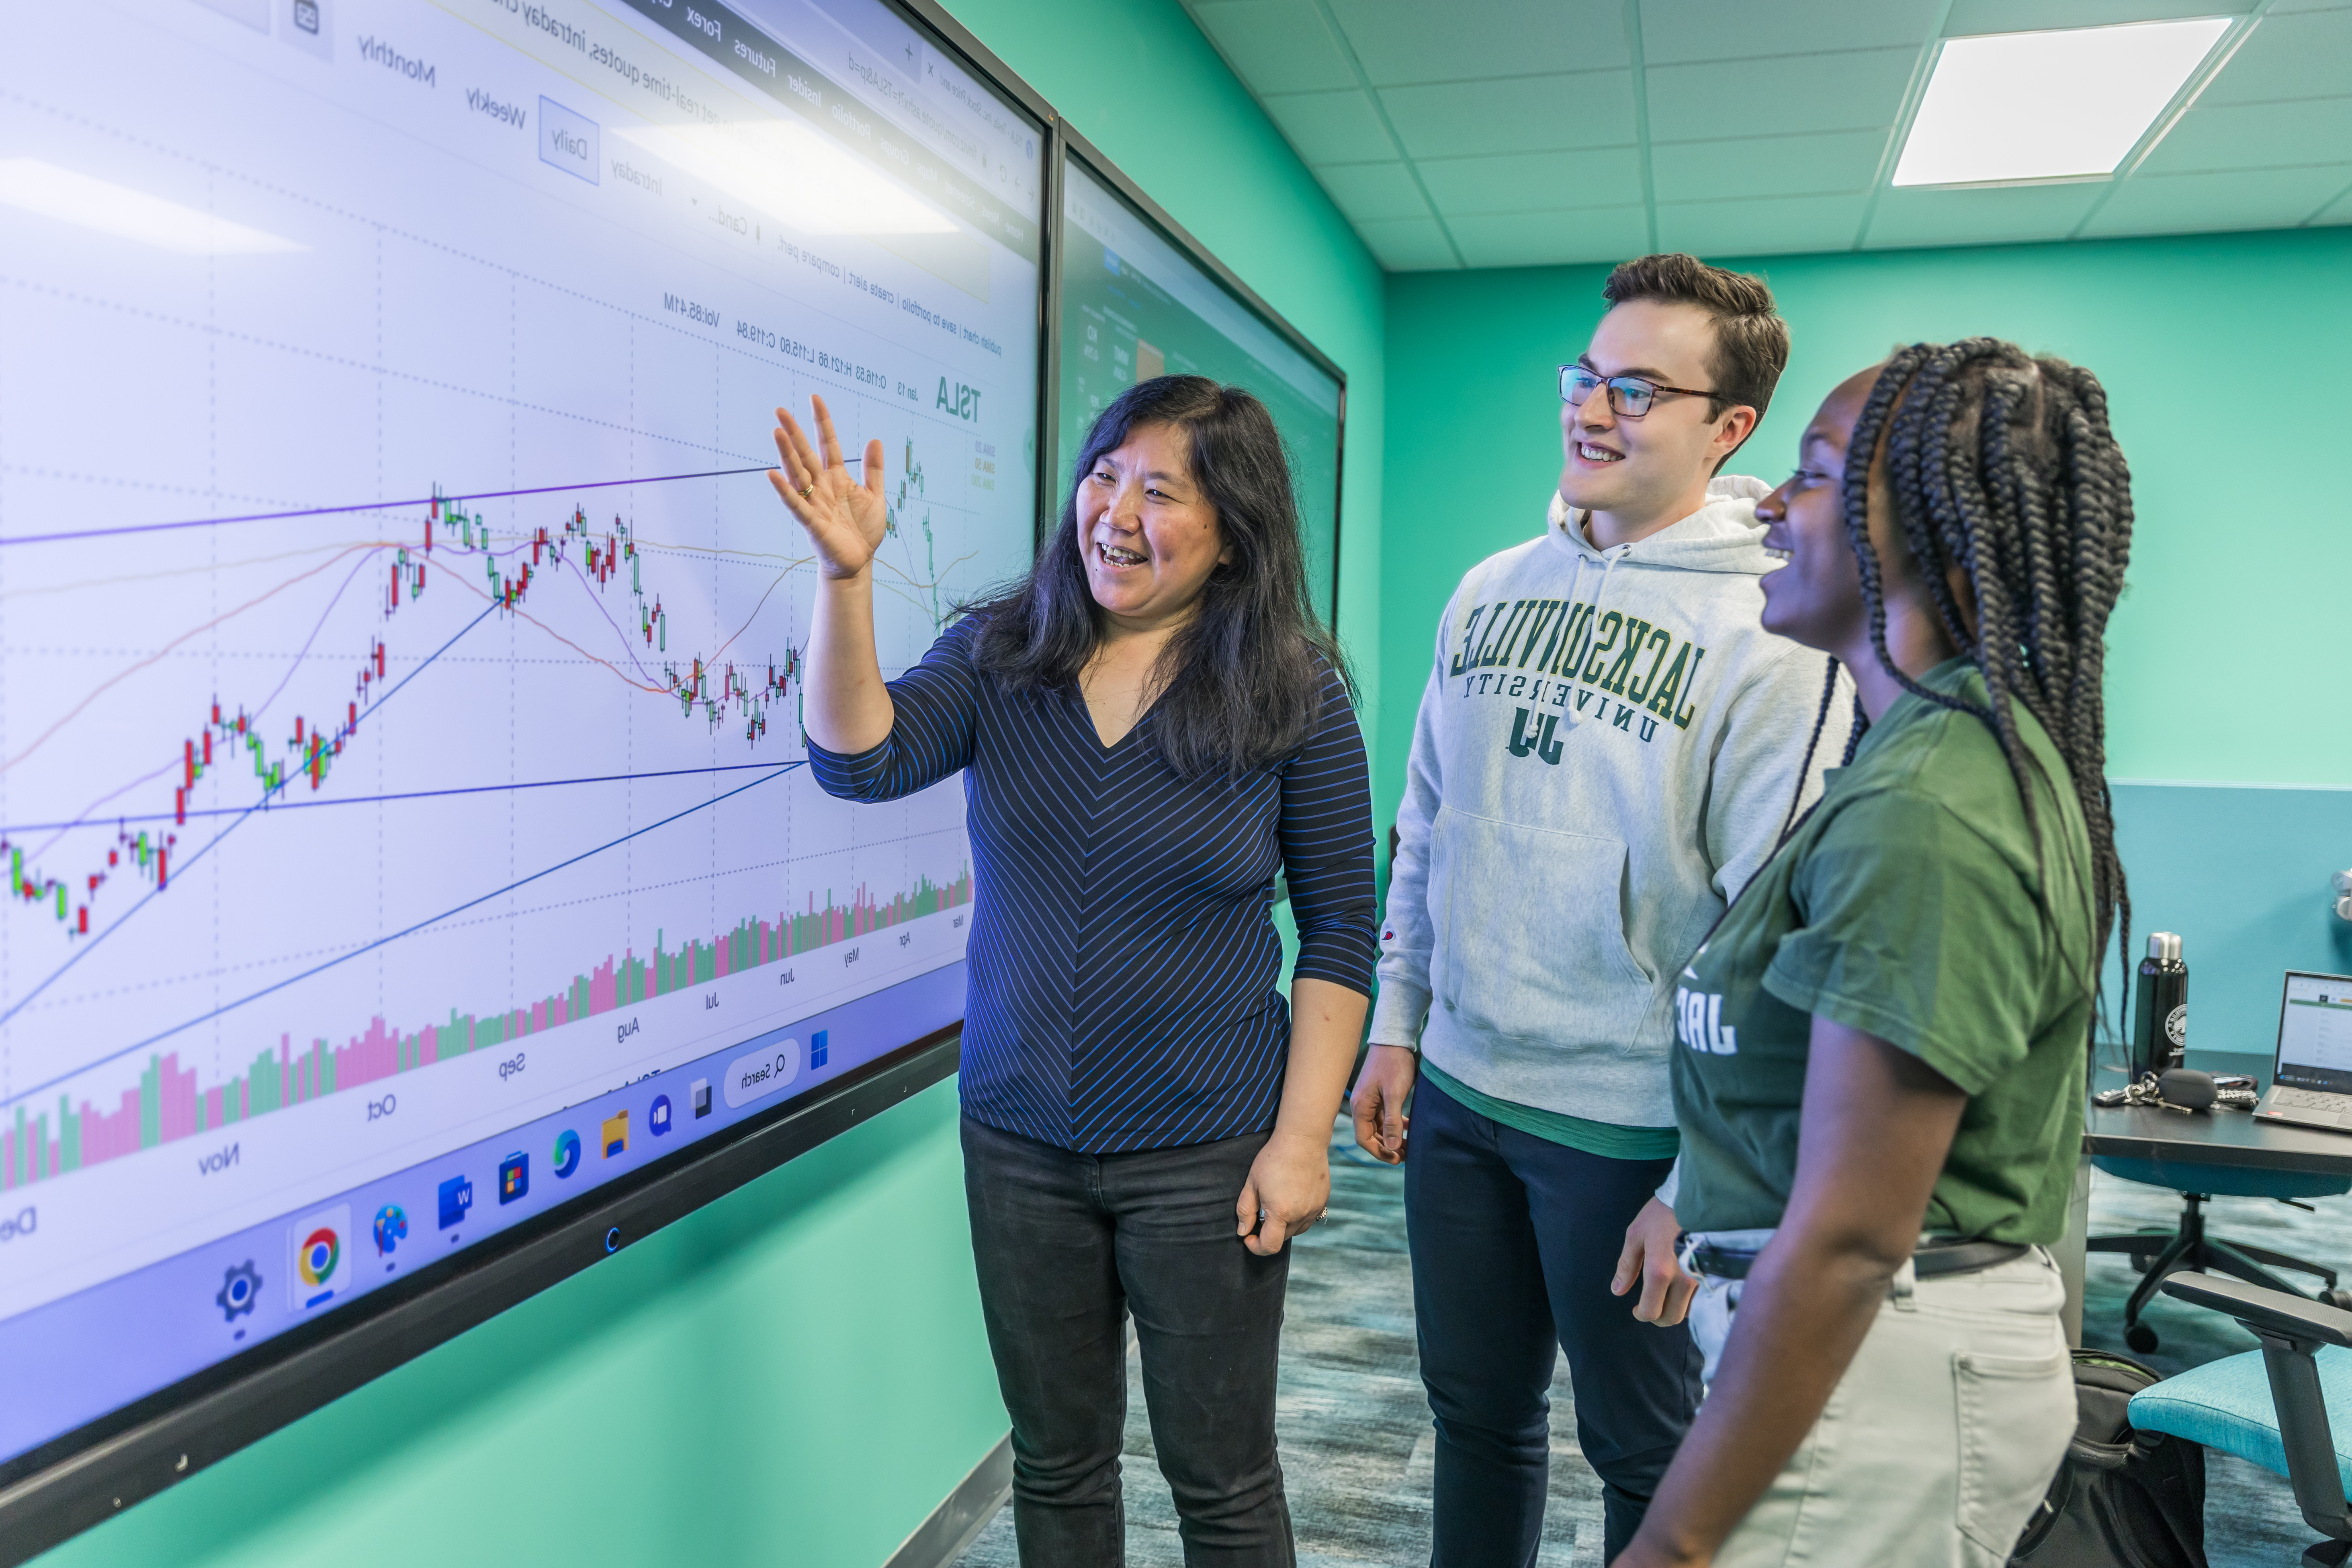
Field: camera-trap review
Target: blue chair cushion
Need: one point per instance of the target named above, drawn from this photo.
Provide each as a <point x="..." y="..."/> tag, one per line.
<point x="2226" y="1404"/>
<point x="2223" y="1181"/>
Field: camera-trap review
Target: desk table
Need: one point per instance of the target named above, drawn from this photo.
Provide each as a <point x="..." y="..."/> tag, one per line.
<point x="2213" y="1138"/>
<point x="2183" y="1140"/>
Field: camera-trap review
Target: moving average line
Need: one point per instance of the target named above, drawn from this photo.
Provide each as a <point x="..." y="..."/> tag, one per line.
<point x="780" y="769"/>
<point x="243" y="817"/>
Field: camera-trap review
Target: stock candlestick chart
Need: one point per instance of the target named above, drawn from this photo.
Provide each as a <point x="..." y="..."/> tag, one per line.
<point x="596" y="600"/>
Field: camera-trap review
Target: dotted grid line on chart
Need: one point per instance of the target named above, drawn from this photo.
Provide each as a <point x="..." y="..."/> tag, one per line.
<point x="320" y="356"/>
<point x="213" y="499"/>
<point x="786" y="863"/>
<point x="213" y="169"/>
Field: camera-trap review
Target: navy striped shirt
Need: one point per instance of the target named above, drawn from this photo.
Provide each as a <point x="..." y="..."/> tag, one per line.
<point x="1125" y="973"/>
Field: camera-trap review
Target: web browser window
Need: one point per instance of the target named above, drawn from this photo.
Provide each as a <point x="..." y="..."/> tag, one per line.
<point x="2315" y="1049"/>
<point x="403" y="802"/>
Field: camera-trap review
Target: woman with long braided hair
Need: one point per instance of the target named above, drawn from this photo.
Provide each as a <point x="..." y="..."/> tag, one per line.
<point x="1881" y="1086"/>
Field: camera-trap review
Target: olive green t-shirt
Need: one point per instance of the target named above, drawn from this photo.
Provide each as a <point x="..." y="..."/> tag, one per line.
<point x="1914" y="904"/>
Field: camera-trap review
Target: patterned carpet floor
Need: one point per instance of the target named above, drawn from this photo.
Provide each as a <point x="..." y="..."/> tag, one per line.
<point x="1355" y="1426"/>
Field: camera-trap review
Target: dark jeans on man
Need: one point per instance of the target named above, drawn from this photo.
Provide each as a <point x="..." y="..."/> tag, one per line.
<point x="1514" y="1242"/>
<point x="1067" y="1245"/>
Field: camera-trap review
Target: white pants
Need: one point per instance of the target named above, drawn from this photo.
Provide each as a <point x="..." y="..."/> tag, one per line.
<point x="1939" y="1441"/>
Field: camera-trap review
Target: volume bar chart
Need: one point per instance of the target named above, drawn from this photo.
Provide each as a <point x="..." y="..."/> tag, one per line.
<point x="168" y="1104"/>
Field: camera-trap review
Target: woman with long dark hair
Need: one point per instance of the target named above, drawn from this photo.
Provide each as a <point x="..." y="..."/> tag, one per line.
<point x="1884" y="1042"/>
<point x="1150" y="726"/>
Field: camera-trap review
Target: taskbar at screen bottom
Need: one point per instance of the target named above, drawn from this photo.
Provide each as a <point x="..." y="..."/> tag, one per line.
<point x="117" y="1343"/>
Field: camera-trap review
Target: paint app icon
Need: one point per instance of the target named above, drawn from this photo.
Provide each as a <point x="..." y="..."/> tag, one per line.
<point x="390" y="1228"/>
<point x="316" y="1264"/>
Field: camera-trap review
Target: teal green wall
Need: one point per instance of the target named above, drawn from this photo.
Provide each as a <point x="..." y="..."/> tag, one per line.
<point x="2226" y="651"/>
<point x="796" y="1373"/>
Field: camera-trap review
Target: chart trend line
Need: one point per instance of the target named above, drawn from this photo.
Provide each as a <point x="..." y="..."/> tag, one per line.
<point x="242" y="818"/>
<point x="312" y="749"/>
<point x="407" y="504"/>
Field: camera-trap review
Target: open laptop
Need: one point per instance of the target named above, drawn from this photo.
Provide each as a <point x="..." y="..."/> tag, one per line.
<point x="2311" y="1082"/>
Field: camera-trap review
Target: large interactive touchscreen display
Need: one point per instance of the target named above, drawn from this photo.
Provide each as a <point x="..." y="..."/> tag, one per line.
<point x="402" y="800"/>
<point x="1135" y="306"/>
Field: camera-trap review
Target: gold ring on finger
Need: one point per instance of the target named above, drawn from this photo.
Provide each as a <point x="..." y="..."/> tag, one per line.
<point x="806" y="490"/>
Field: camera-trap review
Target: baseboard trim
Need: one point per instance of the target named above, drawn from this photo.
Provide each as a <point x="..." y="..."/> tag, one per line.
<point x="961" y="1515"/>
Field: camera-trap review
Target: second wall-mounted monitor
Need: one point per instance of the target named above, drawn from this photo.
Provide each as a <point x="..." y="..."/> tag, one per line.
<point x="1136" y="304"/>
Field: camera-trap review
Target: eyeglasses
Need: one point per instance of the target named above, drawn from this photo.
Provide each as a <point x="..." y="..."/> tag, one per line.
<point x="1629" y="396"/>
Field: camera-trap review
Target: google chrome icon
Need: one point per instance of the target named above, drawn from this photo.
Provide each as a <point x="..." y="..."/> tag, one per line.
<point x="317" y="1258"/>
<point x="567" y="1152"/>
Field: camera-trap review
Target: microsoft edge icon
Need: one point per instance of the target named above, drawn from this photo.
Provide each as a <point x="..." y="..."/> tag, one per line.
<point x="567" y="1152"/>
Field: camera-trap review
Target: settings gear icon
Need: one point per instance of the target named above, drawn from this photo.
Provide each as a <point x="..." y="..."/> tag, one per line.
<point x="240" y="1288"/>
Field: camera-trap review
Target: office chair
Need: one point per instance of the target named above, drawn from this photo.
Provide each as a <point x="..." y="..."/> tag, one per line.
<point x="2158" y="1255"/>
<point x="2282" y="1406"/>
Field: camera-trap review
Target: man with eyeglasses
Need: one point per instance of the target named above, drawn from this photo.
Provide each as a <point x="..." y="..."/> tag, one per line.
<point x="1609" y="746"/>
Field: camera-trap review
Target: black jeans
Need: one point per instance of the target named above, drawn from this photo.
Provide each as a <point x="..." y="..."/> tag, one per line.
<point x="1067" y="1244"/>
<point x="1514" y="1242"/>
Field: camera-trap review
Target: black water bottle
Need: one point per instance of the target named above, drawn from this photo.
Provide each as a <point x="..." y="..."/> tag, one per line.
<point x="2161" y="1008"/>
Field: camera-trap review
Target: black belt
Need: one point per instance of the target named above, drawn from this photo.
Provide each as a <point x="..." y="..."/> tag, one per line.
<point x="1932" y="1259"/>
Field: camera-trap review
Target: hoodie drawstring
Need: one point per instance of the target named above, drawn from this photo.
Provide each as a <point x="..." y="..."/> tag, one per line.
<point x="1609" y="559"/>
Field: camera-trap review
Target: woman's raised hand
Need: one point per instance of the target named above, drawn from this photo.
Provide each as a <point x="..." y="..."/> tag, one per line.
<point x="844" y="518"/>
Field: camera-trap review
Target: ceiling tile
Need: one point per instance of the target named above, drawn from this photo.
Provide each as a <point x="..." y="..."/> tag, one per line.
<point x="2287" y="56"/>
<point x="1994" y="215"/>
<point x="2238" y="198"/>
<point x="1845" y="91"/>
<point x="1408" y="245"/>
<point x="1413" y="41"/>
<point x="1674" y="31"/>
<point x="1773" y="226"/>
<point x="1748" y="166"/>
<point x="2337" y="211"/>
<point x="1516" y="114"/>
<point x="1275" y="45"/>
<point x="2255" y="136"/>
<point x="1534" y="181"/>
<point x="1368" y="191"/>
<point x="1331" y="127"/>
<point x="1546" y="239"/>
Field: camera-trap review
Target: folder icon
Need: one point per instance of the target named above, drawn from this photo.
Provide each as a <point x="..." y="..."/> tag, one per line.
<point x="616" y="1134"/>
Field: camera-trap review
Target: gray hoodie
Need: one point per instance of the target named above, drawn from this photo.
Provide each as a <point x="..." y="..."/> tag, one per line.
<point x="1606" y="752"/>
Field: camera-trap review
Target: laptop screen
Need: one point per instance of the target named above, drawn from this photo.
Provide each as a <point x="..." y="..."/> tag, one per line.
<point x="2315" y="1043"/>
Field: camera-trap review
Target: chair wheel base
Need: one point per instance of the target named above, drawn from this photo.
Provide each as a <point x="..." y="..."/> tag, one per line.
<point x="2140" y="1337"/>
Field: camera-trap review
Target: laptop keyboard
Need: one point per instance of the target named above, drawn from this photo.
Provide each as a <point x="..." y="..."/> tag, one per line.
<point x="2308" y="1099"/>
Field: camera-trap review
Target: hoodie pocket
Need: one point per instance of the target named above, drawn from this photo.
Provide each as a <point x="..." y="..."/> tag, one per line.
<point x="1531" y="932"/>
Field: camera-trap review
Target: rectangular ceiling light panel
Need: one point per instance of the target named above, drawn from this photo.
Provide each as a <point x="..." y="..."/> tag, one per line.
<point x="2049" y="106"/>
